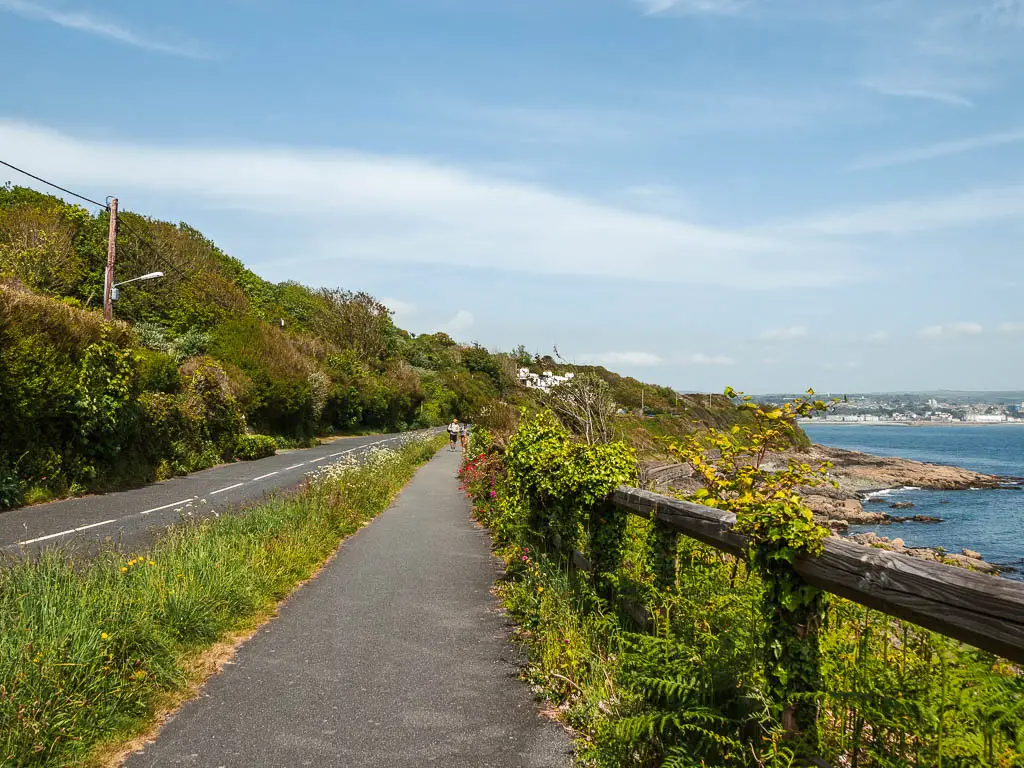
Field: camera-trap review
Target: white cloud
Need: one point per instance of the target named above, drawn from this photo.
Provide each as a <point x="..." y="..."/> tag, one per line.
<point x="343" y="204"/>
<point x="1012" y="328"/>
<point x="712" y="7"/>
<point x="785" y="334"/>
<point x="878" y="337"/>
<point x="910" y="216"/>
<point x="641" y="359"/>
<point x="940" y="149"/>
<point x="462" y="321"/>
<point x="952" y="329"/>
<point x="943" y="96"/>
<point x="84" y="22"/>
<point x="402" y="310"/>
<point x="713" y="360"/>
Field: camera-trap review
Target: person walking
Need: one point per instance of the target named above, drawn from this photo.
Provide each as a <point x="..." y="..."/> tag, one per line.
<point x="464" y="437"/>
<point x="453" y="434"/>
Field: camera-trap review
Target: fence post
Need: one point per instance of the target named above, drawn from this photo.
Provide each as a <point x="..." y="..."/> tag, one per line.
<point x="607" y="526"/>
<point x="664" y="549"/>
<point x="792" y="613"/>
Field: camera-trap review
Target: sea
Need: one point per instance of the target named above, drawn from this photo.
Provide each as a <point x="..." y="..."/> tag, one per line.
<point x="991" y="522"/>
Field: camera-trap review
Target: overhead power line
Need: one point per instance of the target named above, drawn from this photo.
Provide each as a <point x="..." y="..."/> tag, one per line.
<point x="153" y="249"/>
<point x="104" y="206"/>
<point x="121" y="222"/>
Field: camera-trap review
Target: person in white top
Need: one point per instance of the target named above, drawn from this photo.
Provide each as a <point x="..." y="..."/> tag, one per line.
<point x="453" y="434"/>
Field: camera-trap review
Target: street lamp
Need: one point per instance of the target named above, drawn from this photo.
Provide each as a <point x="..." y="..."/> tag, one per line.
<point x="113" y="289"/>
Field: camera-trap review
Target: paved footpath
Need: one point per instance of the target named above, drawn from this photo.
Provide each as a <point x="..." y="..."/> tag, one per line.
<point x="395" y="655"/>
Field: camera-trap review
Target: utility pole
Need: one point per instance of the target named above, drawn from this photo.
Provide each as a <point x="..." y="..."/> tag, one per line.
<point x="108" y="286"/>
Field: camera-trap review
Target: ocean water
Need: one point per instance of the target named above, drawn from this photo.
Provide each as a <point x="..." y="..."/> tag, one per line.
<point x="990" y="522"/>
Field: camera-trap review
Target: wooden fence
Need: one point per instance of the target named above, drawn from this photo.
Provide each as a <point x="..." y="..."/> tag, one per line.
<point x="985" y="611"/>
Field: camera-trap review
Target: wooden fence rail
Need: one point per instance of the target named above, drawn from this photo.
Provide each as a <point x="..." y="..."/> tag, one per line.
<point x="985" y="611"/>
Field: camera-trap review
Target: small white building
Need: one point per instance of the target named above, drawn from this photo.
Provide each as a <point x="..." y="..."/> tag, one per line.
<point x="543" y="381"/>
<point x="987" y="418"/>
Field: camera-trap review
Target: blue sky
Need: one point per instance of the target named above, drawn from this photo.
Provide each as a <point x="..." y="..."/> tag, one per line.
<point x="770" y="194"/>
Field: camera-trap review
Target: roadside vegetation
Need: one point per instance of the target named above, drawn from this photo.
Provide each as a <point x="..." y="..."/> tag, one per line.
<point x="203" y="360"/>
<point x="671" y="653"/>
<point x="91" y="650"/>
<point x="195" y="362"/>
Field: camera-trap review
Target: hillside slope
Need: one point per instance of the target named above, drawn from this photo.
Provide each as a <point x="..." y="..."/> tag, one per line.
<point x="211" y="352"/>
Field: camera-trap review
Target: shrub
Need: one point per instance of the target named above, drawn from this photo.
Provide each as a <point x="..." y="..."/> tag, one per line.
<point x="152" y="336"/>
<point x="210" y="402"/>
<point x="158" y="372"/>
<point x="191" y="343"/>
<point x="10" y="489"/>
<point x="250" y="447"/>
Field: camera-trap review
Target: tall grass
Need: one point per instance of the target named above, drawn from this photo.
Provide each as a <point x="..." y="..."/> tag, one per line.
<point x="88" y="650"/>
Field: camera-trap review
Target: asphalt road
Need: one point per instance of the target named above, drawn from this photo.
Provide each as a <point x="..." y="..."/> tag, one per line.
<point x="130" y="517"/>
<point x="395" y="655"/>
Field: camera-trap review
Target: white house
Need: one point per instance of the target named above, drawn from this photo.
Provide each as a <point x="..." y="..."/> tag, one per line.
<point x="544" y="381"/>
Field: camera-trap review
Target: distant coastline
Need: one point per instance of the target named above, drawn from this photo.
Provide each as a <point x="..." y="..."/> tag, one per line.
<point x="903" y="423"/>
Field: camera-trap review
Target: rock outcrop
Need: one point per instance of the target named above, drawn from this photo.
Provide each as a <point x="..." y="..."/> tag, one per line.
<point x="967" y="558"/>
<point x="859" y="472"/>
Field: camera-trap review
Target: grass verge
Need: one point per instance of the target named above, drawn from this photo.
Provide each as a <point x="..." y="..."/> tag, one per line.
<point x="90" y="651"/>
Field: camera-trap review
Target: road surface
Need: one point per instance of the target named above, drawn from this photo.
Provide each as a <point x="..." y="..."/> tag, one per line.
<point x="129" y="517"/>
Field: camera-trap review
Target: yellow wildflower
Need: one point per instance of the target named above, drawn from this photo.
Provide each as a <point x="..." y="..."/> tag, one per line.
<point x="104" y="636"/>
<point x="124" y="570"/>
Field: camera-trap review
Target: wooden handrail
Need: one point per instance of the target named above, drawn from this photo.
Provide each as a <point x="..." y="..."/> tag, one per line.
<point x="984" y="611"/>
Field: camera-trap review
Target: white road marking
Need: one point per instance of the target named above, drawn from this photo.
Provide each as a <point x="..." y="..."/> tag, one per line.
<point x="167" y="506"/>
<point x="94" y="525"/>
<point x="229" y="488"/>
<point x="66" y="533"/>
<point x="212" y="493"/>
<point x="44" y="538"/>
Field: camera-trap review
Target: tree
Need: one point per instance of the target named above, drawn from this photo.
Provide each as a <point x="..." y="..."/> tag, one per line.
<point x="584" y="405"/>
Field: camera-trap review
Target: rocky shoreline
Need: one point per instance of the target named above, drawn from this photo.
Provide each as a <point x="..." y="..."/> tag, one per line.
<point x="859" y="478"/>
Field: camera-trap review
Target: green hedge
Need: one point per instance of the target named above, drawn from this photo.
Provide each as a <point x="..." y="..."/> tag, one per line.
<point x="250" y="447"/>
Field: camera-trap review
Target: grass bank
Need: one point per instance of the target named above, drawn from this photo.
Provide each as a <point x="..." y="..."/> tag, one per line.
<point x="90" y="651"/>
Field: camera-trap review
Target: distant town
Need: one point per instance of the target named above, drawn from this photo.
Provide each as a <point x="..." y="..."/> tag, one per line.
<point x="938" y="408"/>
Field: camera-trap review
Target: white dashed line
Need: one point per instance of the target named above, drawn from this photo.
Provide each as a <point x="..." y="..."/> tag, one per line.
<point x="166" y="506"/>
<point x="212" y="493"/>
<point x="94" y="525"/>
<point x="229" y="488"/>
<point x="44" y="538"/>
<point x="66" y="533"/>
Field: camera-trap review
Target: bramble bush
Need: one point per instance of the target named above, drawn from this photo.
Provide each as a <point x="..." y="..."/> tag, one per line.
<point x="731" y="662"/>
